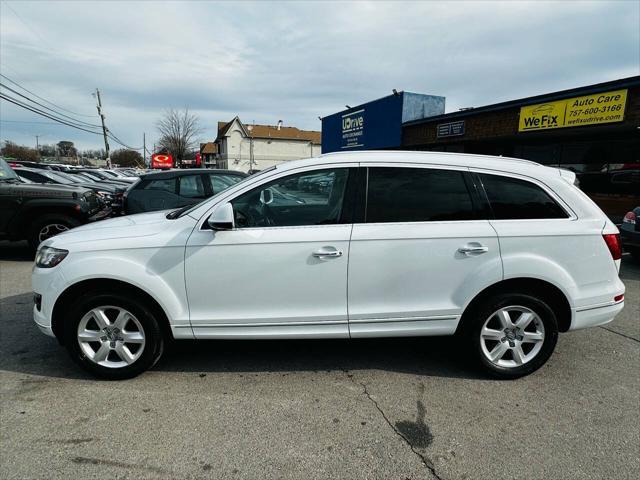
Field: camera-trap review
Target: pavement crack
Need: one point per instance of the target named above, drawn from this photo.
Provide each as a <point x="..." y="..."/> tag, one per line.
<point x="621" y="334"/>
<point x="423" y="458"/>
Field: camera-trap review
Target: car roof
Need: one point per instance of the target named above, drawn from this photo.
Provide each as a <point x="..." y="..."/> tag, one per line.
<point x="505" y="164"/>
<point x="189" y="171"/>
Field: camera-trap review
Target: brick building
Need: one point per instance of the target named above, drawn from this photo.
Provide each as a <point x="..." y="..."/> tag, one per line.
<point x="592" y="130"/>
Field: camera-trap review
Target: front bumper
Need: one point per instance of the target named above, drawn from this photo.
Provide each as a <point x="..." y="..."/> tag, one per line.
<point x="43" y="323"/>
<point x="104" y="213"/>
<point x="49" y="283"/>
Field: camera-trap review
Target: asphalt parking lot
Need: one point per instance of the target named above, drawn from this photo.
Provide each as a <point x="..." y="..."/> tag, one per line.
<point x="392" y="409"/>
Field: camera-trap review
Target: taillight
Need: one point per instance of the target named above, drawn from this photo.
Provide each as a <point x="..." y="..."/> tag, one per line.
<point x="630" y="217"/>
<point x="613" y="243"/>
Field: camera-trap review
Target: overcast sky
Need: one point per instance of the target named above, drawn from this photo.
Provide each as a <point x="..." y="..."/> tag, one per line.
<point x="296" y="61"/>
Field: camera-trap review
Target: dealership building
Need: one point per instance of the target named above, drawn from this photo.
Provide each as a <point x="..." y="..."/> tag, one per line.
<point x="593" y="130"/>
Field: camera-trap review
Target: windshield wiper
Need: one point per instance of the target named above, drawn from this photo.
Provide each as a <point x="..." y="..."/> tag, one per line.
<point x="173" y="214"/>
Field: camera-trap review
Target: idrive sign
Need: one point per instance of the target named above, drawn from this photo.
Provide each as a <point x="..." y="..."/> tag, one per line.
<point x="353" y="129"/>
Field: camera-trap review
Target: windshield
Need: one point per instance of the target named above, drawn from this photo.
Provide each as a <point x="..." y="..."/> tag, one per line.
<point x="189" y="208"/>
<point x="7" y="173"/>
<point x="70" y="177"/>
<point x="59" y="178"/>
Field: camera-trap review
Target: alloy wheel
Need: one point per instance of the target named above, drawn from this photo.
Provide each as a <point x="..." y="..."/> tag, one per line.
<point x="111" y="336"/>
<point x="512" y="336"/>
<point x="51" y="230"/>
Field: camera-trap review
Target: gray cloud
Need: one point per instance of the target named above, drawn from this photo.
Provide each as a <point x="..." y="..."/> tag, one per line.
<point x="295" y="61"/>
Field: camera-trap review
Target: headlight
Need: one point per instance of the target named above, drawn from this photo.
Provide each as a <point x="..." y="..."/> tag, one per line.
<point x="48" y="257"/>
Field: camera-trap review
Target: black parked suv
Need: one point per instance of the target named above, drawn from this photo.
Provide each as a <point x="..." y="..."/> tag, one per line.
<point x="35" y="212"/>
<point x="177" y="188"/>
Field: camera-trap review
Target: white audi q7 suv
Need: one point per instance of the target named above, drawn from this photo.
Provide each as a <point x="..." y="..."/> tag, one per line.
<point x="504" y="253"/>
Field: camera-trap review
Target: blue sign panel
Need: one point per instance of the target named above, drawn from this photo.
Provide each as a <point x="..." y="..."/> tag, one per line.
<point x="377" y="124"/>
<point x="451" y="129"/>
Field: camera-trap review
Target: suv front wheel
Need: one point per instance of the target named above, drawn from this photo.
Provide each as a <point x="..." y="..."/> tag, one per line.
<point x="511" y="335"/>
<point x="48" y="226"/>
<point x="112" y="335"/>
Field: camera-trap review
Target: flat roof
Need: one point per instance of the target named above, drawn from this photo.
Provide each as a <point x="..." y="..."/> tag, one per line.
<point x="547" y="97"/>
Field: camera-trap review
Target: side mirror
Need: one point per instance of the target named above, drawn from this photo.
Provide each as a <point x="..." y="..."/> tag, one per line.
<point x="222" y="218"/>
<point x="266" y="196"/>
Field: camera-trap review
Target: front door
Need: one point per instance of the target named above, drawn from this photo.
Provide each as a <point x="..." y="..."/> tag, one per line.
<point x="282" y="271"/>
<point x="421" y="253"/>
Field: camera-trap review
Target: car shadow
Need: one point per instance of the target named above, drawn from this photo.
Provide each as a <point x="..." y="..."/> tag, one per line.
<point x="23" y="349"/>
<point x="15" y="251"/>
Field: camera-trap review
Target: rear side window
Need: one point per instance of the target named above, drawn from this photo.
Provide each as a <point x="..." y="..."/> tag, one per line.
<point x="191" y="186"/>
<point x="221" y="182"/>
<point x="417" y="195"/>
<point x="515" y="199"/>
<point x="165" y="184"/>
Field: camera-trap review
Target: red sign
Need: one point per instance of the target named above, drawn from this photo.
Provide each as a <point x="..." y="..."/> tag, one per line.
<point x="160" y="160"/>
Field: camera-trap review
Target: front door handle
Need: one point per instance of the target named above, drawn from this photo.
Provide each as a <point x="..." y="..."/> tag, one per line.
<point x="327" y="252"/>
<point x="473" y="249"/>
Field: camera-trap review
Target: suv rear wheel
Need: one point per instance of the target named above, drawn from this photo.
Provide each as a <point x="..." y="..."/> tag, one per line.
<point x="112" y="335"/>
<point x="47" y="226"/>
<point x="511" y="335"/>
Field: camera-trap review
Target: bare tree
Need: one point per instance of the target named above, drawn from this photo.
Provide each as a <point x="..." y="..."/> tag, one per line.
<point x="178" y="132"/>
<point x="19" y="152"/>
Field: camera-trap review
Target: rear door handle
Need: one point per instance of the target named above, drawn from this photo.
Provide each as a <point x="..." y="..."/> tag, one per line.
<point x="327" y="252"/>
<point x="472" y="249"/>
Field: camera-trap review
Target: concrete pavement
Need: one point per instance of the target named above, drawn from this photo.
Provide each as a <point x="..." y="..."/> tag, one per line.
<point x="388" y="409"/>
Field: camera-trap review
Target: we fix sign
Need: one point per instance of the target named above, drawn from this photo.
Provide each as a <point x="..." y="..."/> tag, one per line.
<point x="160" y="160"/>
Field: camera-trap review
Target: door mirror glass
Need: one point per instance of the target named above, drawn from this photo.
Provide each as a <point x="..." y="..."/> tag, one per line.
<point x="222" y="218"/>
<point x="266" y="196"/>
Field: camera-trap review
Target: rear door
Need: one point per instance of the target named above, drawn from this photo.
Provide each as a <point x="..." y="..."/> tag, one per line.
<point x="423" y="249"/>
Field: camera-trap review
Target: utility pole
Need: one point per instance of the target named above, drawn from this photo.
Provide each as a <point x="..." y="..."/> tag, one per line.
<point x="38" y="145"/>
<point x="144" y="148"/>
<point x="104" y="129"/>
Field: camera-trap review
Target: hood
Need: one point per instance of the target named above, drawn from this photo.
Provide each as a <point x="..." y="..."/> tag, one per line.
<point x="131" y="226"/>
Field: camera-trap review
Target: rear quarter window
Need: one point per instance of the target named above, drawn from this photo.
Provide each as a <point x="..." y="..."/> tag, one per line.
<point x="516" y="199"/>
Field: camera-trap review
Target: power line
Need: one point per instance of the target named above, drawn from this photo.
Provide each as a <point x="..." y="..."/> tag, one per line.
<point x="25" y="121"/>
<point x="44" y="99"/>
<point x="44" y="114"/>
<point x="34" y="31"/>
<point x="75" y="120"/>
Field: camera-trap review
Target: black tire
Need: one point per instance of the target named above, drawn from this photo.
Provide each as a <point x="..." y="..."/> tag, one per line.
<point x="41" y="222"/>
<point x="151" y="350"/>
<point x="474" y="320"/>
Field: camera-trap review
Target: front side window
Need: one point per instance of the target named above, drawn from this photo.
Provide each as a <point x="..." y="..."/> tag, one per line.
<point x="515" y="199"/>
<point x="191" y="186"/>
<point x="398" y="194"/>
<point x="309" y="198"/>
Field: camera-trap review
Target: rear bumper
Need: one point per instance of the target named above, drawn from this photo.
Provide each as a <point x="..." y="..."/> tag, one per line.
<point x="595" y="316"/>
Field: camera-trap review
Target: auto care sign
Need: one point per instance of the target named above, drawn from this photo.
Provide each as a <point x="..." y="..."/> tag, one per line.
<point x="160" y="160"/>
<point x="595" y="109"/>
